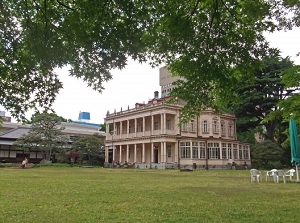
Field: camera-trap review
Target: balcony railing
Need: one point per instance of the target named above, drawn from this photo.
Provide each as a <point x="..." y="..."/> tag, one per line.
<point x="140" y="134"/>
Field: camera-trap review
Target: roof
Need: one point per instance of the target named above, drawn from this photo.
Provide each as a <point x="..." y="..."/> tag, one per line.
<point x="14" y="133"/>
<point x="87" y="124"/>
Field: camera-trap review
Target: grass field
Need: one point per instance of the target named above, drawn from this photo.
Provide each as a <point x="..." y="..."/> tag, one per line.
<point x="63" y="194"/>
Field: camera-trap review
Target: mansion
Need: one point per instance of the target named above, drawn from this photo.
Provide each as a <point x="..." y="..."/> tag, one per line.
<point x="149" y="136"/>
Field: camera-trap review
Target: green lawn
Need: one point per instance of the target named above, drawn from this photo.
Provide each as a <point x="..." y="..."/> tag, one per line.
<point x="62" y="194"/>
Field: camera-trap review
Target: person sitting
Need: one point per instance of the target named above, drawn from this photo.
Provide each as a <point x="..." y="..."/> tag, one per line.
<point x="24" y="162"/>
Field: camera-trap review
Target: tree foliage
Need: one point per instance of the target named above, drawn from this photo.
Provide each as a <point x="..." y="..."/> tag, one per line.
<point x="199" y="40"/>
<point x="37" y="113"/>
<point x="266" y="152"/>
<point x="259" y="97"/>
<point x="91" y="145"/>
<point x="45" y="134"/>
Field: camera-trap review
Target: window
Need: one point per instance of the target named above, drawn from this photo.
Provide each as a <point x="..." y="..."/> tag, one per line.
<point x="202" y="150"/>
<point x="240" y="152"/>
<point x="224" y="152"/>
<point x="235" y="152"/>
<point x="223" y="130"/>
<point x="124" y="129"/>
<point x="230" y="130"/>
<point x="117" y="132"/>
<point x="215" y="126"/>
<point x="169" y="149"/>
<point x="229" y="151"/>
<point x="184" y="127"/>
<point x="192" y="126"/>
<point x="205" y="126"/>
<point x="245" y="152"/>
<point x="195" y="150"/>
<point x="22" y="155"/>
<point x="213" y="150"/>
<point x="185" y="150"/>
<point x="139" y="127"/>
<point x="169" y="125"/>
<point x="156" y="126"/>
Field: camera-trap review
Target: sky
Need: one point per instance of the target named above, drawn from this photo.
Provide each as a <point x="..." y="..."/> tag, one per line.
<point x="135" y="84"/>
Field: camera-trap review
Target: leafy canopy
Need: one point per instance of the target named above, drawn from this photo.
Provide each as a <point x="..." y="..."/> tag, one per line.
<point x="45" y="134"/>
<point x="199" y="40"/>
<point x="258" y="98"/>
<point x="266" y="152"/>
<point x="91" y="145"/>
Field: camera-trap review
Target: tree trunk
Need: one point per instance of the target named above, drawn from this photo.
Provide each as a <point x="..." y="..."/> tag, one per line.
<point x="270" y="127"/>
<point x="90" y="163"/>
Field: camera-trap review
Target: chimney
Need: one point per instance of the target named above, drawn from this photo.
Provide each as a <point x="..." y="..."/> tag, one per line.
<point x="156" y="94"/>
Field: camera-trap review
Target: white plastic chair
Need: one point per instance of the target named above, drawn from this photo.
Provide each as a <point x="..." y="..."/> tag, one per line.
<point x="255" y="175"/>
<point x="271" y="175"/>
<point x="290" y="173"/>
<point x="280" y="173"/>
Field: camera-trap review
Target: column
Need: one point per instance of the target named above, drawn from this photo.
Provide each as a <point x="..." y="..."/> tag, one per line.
<point x="127" y="153"/>
<point x="107" y="131"/>
<point x="191" y="148"/>
<point x="176" y="152"/>
<point x="121" y="128"/>
<point x="177" y="120"/>
<point x="227" y="151"/>
<point x="234" y="130"/>
<point x="144" y="127"/>
<point x="152" y="153"/>
<point x="165" y="151"/>
<point x="198" y="144"/>
<point x="127" y="128"/>
<point x="106" y="154"/>
<point x="161" y="152"/>
<point x="134" y="159"/>
<point x="143" y="155"/>
<point x="120" y="158"/>
<point x="164" y="123"/>
<point x="152" y="125"/>
<point x="135" y="127"/>
<point x="161" y="123"/>
<point x="114" y="155"/>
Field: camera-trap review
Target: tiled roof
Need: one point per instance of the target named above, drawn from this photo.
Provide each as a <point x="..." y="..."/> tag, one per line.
<point x="14" y="133"/>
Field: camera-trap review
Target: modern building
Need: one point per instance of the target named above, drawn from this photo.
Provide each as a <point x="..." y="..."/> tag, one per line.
<point x="10" y="132"/>
<point x="149" y="136"/>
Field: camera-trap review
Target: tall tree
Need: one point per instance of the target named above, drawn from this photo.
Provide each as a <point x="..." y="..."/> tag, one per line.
<point x="199" y="40"/>
<point x="45" y="134"/>
<point x="291" y="81"/>
<point x="258" y="98"/>
<point x="62" y="119"/>
<point x="90" y="145"/>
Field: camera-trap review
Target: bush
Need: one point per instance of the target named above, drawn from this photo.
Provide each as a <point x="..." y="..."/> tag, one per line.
<point x="273" y="165"/>
<point x="53" y="164"/>
<point x="7" y="164"/>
